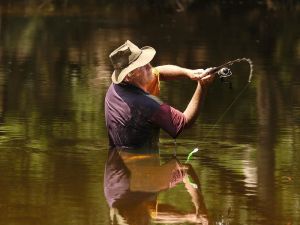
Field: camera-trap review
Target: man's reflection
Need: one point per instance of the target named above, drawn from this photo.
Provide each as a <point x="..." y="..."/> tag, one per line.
<point x="132" y="184"/>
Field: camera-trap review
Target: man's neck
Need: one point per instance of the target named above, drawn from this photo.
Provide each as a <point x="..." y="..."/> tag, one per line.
<point x="138" y="85"/>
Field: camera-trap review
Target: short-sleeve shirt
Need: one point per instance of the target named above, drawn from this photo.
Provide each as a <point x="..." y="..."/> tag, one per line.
<point x="134" y="118"/>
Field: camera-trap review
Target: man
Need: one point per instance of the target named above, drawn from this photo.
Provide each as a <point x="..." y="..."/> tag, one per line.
<point x="133" y="114"/>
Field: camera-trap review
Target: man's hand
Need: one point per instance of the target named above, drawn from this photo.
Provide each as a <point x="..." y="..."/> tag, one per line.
<point x="203" y="76"/>
<point x="207" y="78"/>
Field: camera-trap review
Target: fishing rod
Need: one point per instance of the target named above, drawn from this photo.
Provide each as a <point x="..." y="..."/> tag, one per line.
<point x="223" y="71"/>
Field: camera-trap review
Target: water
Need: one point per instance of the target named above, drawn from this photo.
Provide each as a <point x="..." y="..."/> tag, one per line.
<point x="54" y="72"/>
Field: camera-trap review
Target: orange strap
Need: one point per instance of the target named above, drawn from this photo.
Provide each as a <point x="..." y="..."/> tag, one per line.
<point x="154" y="86"/>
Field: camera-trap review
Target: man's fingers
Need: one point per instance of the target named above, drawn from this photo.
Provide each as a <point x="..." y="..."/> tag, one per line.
<point x="208" y="70"/>
<point x="208" y="79"/>
<point x="201" y="73"/>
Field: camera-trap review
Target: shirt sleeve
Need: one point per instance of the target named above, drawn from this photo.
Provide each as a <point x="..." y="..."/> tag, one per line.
<point x="169" y="119"/>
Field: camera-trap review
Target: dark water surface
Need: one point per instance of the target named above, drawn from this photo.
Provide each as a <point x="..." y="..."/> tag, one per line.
<point x="54" y="72"/>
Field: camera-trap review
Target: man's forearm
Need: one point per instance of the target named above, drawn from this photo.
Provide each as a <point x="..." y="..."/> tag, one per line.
<point x="192" y="110"/>
<point x="169" y="72"/>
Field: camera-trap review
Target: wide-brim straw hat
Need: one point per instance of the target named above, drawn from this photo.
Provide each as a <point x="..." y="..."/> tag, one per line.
<point x="128" y="57"/>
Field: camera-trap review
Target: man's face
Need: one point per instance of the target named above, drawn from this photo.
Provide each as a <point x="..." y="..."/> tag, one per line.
<point x="146" y="73"/>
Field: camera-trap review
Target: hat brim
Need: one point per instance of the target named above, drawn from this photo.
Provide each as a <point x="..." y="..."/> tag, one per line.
<point x="146" y="56"/>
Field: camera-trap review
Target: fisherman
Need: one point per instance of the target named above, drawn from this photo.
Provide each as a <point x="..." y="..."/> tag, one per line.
<point x="133" y="113"/>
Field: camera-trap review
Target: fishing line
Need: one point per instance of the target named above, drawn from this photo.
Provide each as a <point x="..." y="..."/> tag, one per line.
<point x="224" y="113"/>
<point x="223" y="72"/>
<point x="175" y="147"/>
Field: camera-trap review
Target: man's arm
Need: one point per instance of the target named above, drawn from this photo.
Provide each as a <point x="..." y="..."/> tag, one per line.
<point x="172" y="120"/>
<point x="192" y="110"/>
<point x="171" y="72"/>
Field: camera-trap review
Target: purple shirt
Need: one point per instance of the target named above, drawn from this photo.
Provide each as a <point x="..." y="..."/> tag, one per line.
<point x="134" y="118"/>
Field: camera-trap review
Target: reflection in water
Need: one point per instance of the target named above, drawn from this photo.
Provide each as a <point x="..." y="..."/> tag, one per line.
<point x="132" y="185"/>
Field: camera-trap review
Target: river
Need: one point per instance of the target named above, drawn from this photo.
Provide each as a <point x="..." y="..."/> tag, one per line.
<point x="54" y="73"/>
